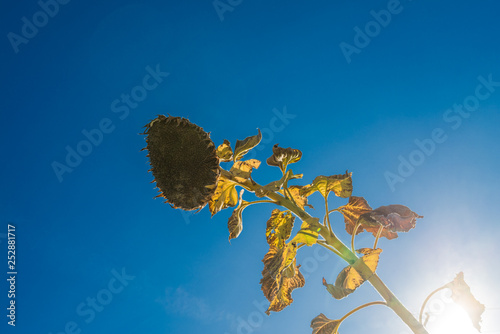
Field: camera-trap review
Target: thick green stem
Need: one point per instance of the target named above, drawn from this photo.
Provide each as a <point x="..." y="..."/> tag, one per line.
<point x="346" y="254"/>
<point x="396" y="305"/>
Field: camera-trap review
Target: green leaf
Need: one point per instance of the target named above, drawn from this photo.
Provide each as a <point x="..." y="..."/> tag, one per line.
<point x="279" y="228"/>
<point x="225" y="195"/>
<point x="308" y="233"/>
<point x="243" y="169"/>
<point x="243" y="146"/>
<point x="322" y="325"/>
<point x="350" y="278"/>
<point x="235" y="222"/>
<point x="340" y="184"/>
<point x="462" y="295"/>
<point x="224" y="151"/>
<point x="283" y="156"/>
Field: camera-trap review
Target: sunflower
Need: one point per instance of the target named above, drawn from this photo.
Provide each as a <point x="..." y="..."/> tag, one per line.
<point x="183" y="160"/>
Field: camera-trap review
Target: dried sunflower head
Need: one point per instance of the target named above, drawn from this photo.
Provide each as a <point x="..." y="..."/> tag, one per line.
<point x="183" y="161"/>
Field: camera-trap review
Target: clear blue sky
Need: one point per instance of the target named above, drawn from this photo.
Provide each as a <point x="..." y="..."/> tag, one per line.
<point x="89" y="229"/>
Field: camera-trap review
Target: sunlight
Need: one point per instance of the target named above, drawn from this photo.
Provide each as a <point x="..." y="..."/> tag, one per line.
<point x="455" y="320"/>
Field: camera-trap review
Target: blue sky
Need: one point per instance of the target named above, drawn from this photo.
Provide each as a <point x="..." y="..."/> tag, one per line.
<point x="88" y="228"/>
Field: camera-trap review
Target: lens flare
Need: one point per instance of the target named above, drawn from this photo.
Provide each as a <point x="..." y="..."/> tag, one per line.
<point x="454" y="320"/>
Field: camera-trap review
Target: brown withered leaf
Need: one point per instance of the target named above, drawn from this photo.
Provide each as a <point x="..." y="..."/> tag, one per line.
<point x="385" y="233"/>
<point x="224" y="151"/>
<point x="279" y="228"/>
<point x="322" y="325"/>
<point x="225" y="195"/>
<point x="278" y="290"/>
<point x="394" y="218"/>
<point x="300" y="200"/>
<point x="276" y="282"/>
<point x="351" y="212"/>
<point x="235" y="222"/>
<point x="462" y="295"/>
<point x="282" y="157"/>
<point x="290" y="270"/>
<point x="243" y="169"/>
<point x="243" y="146"/>
<point x="350" y="278"/>
<point x="340" y="184"/>
<point x="277" y="259"/>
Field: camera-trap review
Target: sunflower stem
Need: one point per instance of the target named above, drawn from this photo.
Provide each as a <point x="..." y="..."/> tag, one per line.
<point x="350" y="257"/>
<point x="332" y="241"/>
<point x="324" y="244"/>
<point x="287" y="192"/>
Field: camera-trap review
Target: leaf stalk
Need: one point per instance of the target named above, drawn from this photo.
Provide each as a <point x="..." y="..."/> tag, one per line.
<point x="354" y="236"/>
<point x="427" y="299"/>
<point x="359" y="308"/>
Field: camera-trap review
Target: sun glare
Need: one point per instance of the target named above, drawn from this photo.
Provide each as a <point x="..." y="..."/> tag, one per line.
<point x="453" y="321"/>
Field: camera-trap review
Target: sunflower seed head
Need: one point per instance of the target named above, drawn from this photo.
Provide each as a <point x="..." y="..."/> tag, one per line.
<point x="183" y="161"/>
